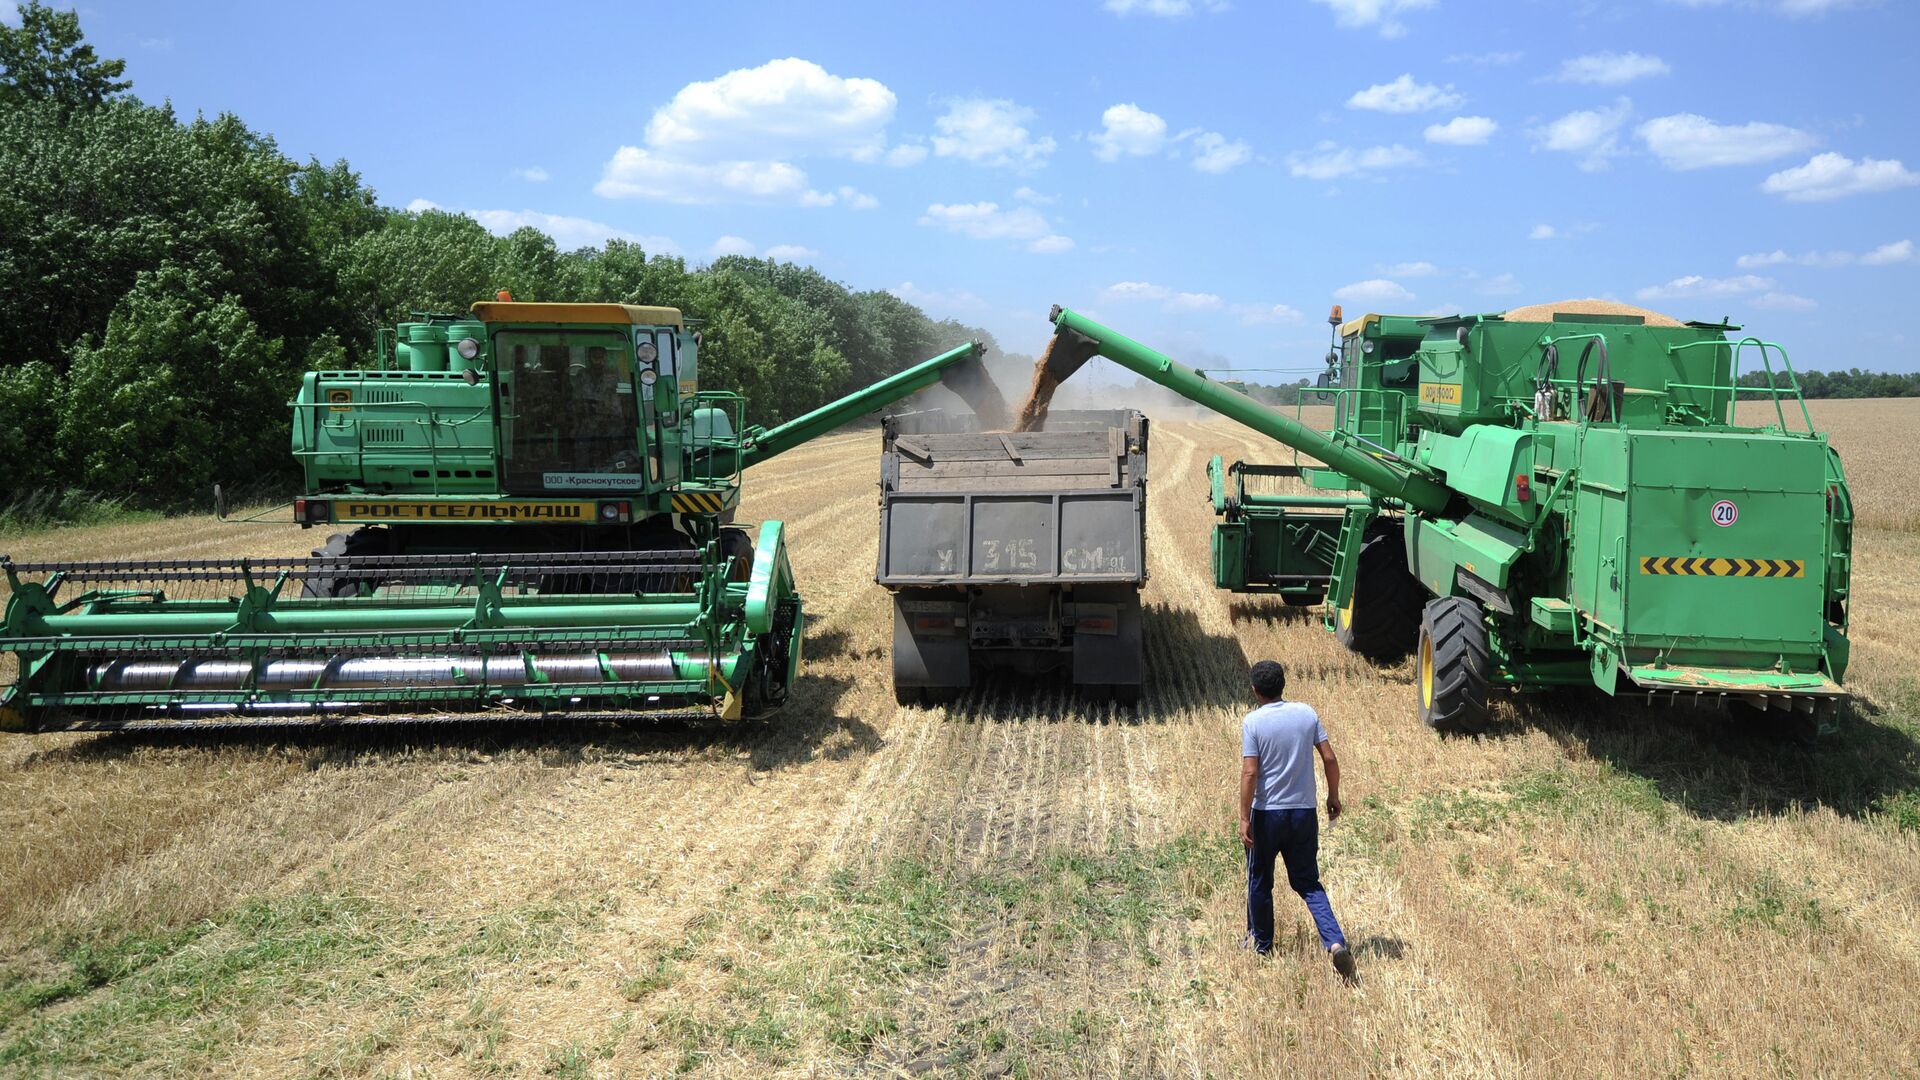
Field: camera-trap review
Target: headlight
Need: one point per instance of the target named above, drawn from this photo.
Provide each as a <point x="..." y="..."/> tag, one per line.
<point x="467" y="348"/>
<point x="1367" y="347"/>
<point x="648" y="376"/>
<point x="646" y="352"/>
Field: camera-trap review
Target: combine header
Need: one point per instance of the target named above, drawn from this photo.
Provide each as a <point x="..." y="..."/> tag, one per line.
<point x="537" y="503"/>
<point x="1552" y="496"/>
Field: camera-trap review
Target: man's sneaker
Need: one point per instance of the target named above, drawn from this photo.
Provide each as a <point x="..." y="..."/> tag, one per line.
<point x="1343" y="961"/>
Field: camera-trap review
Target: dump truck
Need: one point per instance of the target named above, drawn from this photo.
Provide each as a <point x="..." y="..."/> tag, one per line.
<point x="1553" y="496"/>
<point x="1016" y="550"/>
<point x="535" y="505"/>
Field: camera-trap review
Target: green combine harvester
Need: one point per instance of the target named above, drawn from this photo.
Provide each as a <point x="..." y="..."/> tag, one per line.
<point x="1553" y="496"/>
<point x="537" y="505"/>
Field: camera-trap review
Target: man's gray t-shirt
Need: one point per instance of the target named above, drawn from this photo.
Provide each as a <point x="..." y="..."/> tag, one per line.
<point x="1282" y="734"/>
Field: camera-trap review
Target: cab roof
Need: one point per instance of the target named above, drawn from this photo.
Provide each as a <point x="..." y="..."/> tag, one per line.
<point x="635" y="314"/>
<point x="1400" y="323"/>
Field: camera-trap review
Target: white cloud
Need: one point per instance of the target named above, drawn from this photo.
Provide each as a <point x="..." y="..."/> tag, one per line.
<point x="1128" y="131"/>
<point x="1262" y="314"/>
<point x="1383" y="15"/>
<point x="635" y="173"/>
<point x="1834" y="176"/>
<point x="990" y="132"/>
<point x="1403" y="95"/>
<point x="1782" y="301"/>
<point x="739" y="245"/>
<point x="1215" y="153"/>
<point x="1696" y="287"/>
<point x="1373" y="293"/>
<point x="1611" y="68"/>
<point x="1593" y="134"/>
<point x="1560" y="232"/>
<point x="736" y="138"/>
<point x="1500" y="285"/>
<point x="1803" y="8"/>
<point x="533" y="174"/>
<point x="905" y="154"/>
<point x="568" y="232"/>
<point x="1885" y="255"/>
<point x="944" y="302"/>
<point x="1027" y="194"/>
<point x="1188" y="302"/>
<point x="1137" y="290"/>
<point x="1462" y="131"/>
<point x="1410" y="269"/>
<point x="1137" y="293"/>
<point x="781" y="108"/>
<point x="1486" y="59"/>
<point x="1330" y="161"/>
<point x="1686" y="141"/>
<point x="1793" y="8"/>
<point x="1166" y="9"/>
<point x="988" y="221"/>
<point x="855" y="199"/>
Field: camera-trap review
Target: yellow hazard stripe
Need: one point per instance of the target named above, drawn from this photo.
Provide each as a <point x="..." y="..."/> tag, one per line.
<point x="699" y="502"/>
<point x="1682" y="566"/>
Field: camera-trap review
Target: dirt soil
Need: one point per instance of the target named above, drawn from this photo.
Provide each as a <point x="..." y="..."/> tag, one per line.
<point x="1021" y="884"/>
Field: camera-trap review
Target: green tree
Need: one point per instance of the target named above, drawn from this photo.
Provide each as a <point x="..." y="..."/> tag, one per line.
<point x="46" y="58"/>
<point x="182" y="391"/>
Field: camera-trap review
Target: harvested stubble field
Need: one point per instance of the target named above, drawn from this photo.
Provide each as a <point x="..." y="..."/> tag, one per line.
<point x="1017" y="885"/>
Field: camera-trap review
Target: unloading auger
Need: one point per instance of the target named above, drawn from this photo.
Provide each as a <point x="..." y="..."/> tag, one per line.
<point x="536" y="504"/>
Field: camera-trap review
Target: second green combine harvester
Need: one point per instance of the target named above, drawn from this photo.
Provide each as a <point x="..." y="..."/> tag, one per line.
<point x="1554" y="496"/>
<point x="536" y="504"/>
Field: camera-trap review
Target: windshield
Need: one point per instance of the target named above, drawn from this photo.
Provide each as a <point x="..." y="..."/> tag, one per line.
<point x="568" y="417"/>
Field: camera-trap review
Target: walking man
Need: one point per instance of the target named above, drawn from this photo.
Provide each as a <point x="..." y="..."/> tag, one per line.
<point x="1278" y="740"/>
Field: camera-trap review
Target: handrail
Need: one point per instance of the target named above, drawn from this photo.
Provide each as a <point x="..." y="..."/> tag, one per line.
<point x="1733" y="388"/>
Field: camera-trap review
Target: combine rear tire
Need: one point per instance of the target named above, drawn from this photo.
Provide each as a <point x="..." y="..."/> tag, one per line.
<point x="1382" y="618"/>
<point x="1456" y="666"/>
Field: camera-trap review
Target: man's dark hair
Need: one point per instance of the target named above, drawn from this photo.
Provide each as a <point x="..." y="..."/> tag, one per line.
<point x="1269" y="679"/>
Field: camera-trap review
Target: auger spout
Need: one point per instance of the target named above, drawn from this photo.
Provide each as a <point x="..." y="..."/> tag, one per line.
<point x="960" y="369"/>
<point x="1386" y="476"/>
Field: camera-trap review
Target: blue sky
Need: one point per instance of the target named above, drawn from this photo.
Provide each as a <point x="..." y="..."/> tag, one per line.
<point x="1205" y="176"/>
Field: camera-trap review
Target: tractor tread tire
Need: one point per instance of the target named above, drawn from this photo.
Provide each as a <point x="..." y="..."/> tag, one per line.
<point x="1385" y="621"/>
<point x="1455" y="630"/>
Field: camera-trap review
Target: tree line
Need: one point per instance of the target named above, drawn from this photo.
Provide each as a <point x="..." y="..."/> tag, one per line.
<point x="167" y="281"/>
<point x="1851" y="383"/>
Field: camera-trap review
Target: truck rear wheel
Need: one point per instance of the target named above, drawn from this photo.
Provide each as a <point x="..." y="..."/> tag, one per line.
<point x="1381" y="620"/>
<point x="1455" y="670"/>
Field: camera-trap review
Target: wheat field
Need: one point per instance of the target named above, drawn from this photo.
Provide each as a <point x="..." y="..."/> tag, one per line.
<point x="1016" y="885"/>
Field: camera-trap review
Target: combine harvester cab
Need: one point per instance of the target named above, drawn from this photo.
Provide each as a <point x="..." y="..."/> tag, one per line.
<point x="537" y="505"/>
<point x="1550" y="496"/>
<point x="1019" y="550"/>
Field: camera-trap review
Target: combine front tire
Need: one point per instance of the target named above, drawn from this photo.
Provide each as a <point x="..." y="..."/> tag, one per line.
<point x="1456" y="666"/>
<point x="361" y="541"/>
<point x="1382" y="618"/>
